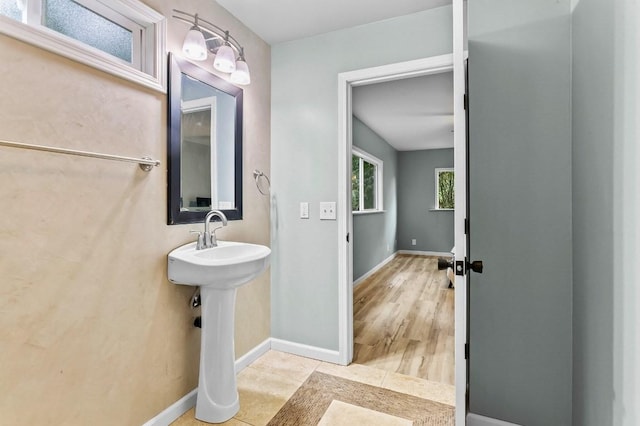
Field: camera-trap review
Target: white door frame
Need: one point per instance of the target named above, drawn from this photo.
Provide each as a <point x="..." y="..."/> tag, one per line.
<point x="460" y="214"/>
<point x="346" y="81"/>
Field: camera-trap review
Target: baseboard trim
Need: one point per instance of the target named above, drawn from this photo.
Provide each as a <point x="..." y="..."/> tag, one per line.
<point x="252" y="355"/>
<point x="426" y="253"/>
<point x="184" y="404"/>
<point x="374" y="270"/>
<point x="478" y="420"/>
<point x="175" y="410"/>
<point x="306" y="351"/>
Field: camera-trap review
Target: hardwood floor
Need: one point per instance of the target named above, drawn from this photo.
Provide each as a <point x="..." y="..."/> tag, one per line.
<point x="404" y="320"/>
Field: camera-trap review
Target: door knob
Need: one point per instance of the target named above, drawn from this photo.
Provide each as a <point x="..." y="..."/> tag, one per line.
<point x="463" y="266"/>
<point x="444" y="264"/>
<point x="476" y="266"/>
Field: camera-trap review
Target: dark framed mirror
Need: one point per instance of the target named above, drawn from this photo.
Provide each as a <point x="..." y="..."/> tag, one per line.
<point x="204" y="144"/>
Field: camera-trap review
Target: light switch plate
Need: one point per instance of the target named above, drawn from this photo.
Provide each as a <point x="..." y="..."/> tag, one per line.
<point x="304" y="210"/>
<point x="328" y="210"/>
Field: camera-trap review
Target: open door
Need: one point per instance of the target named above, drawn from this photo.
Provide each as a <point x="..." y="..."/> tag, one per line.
<point x="520" y="204"/>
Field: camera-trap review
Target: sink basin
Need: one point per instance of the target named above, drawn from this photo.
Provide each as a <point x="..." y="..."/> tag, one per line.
<point x="228" y="265"/>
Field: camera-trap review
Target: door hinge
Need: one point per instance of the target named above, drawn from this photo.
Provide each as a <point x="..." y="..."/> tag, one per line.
<point x="347" y="237"/>
<point x="465" y="101"/>
<point x="466" y="226"/>
<point x="466" y="351"/>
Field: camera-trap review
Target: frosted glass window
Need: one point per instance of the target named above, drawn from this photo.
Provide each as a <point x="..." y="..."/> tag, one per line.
<point x="12" y="9"/>
<point x="76" y="21"/>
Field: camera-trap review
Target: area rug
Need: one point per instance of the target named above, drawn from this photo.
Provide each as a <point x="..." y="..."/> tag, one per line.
<point x="309" y="403"/>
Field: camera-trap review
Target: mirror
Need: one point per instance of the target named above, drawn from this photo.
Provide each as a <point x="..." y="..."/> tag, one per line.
<point x="205" y="144"/>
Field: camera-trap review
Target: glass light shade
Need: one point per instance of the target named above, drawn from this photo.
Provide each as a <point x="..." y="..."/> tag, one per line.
<point x="194" y="46"/>
<point x="241" y="74"/>
<point x="225" y="59"/>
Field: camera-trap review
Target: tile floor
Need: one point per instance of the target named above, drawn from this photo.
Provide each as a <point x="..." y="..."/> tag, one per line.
<point x="267" y="384"/>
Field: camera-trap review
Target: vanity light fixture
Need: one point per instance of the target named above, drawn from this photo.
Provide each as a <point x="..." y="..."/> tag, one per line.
<point x="241" y="74"/>
<point x="225" y="60"/>
<point x="205" y="37"/>
<point x="195" y="46"/>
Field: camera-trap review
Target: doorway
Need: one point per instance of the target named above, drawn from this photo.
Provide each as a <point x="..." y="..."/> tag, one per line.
<point x="403" y="211"/>
<point x="346" y="83"/>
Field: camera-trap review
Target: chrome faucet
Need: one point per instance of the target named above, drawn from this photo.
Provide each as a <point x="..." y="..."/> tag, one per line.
<point x="209" y="239"/>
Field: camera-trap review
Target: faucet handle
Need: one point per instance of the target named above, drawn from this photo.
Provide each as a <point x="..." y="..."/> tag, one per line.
<point x="200" y="242"/>
<point x="214" y="238"/>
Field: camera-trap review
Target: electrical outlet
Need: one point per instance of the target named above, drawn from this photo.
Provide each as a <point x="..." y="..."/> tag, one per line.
<point x="413" y="241"/>
<point x="304" y="210"/>
<point x="327" y="210"/>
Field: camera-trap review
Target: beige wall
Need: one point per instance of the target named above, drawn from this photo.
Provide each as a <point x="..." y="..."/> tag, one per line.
<point x="91" y="331"/>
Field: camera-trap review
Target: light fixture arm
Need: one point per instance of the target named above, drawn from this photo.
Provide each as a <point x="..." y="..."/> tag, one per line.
<point x="210" y="30"/>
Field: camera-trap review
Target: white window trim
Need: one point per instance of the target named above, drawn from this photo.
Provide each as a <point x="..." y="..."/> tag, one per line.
<point x="155" y="24"/>
<point x="379" y="181"/>
<point x="437" y="185"/>
<point x="364" y="212"/>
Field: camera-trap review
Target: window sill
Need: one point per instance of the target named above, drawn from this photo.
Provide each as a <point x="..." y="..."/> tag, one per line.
<point x="442" y="210"/>
<point x="368" y="212"/>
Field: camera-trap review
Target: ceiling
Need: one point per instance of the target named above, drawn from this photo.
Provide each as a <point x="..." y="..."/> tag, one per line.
<point x="410" y="114"/>
<point x="277" y="21"/>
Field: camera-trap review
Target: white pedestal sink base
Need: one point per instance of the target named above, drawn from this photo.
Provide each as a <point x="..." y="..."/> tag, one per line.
<point x="217" y="399"/>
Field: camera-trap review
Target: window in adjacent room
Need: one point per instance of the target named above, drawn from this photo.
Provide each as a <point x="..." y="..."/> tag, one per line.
<point x="444" y="189"/>
<point x="121" y="37"/>
<point x="366" y="182"/>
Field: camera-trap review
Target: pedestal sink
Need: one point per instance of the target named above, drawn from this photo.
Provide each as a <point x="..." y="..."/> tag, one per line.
<point x="219" y="271"/>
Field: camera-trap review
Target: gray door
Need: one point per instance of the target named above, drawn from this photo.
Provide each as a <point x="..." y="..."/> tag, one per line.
<point x="520" y="211"/>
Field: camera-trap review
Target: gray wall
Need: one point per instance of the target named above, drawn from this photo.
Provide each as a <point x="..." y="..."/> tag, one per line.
<point x="304" y="149"/>
<point x="374" y="234"/>
<point x="520" y="188"/>
<point x="433" y="230"/>
<point x="606" y="340"/>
